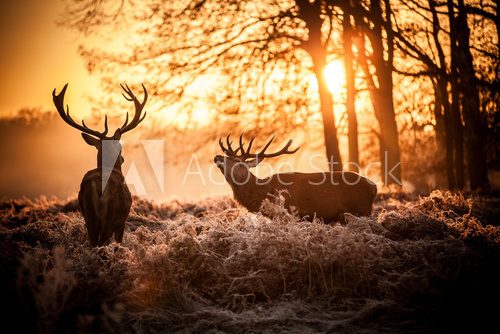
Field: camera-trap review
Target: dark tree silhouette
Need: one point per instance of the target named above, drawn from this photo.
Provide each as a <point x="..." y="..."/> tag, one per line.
<point x="448" y="62"/>
<point x="448" y="120"/>
<point x="475" y="128"/>
<point x="234" y="38"/>
<point x="246" y="44"/>
<point x="375" y="26"/>
<point x="348" y="33"/>
<point x="455" y="102"/>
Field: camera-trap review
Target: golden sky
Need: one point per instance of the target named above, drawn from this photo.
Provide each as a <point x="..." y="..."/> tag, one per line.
<point x="37" y="56"/>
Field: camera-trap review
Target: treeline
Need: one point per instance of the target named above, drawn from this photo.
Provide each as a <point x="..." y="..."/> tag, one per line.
<point x="263" y="53"/>
<point x="466" y="95"/>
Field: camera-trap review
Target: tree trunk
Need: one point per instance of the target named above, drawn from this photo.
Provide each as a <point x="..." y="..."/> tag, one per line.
<point x="351" y="94"/>
<point x="311" y="14"/>
<point x="458" y="130"/>
<point x="449" y="137"/>
<point x="443" y="110"/>
<point x="475" y="129"/>
<point x="439" y="118"/>
<point x="384" y="111"/>
<point x="389" y="137"/>
<point x="455" y="103"/>
<point x="326" y="106"/>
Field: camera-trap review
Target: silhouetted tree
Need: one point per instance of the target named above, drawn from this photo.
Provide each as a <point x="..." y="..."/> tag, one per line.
<point x="454" y="76"/>
<point x="347" y="38"/>
<point x="474" y="125"/>
<point x="262" y="55"/>
<point x="455" y="101"/>
<point x="436" y="67"/>
<point x="375" y="26"/>
<point x="244" y="41"/>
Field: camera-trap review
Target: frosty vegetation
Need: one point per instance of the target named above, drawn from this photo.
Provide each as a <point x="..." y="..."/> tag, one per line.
<point x="417" y="265"/>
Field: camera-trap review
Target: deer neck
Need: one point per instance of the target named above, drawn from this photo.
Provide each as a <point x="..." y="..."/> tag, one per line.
<point x="250" y="194"/>
<point x="117" y="166"/>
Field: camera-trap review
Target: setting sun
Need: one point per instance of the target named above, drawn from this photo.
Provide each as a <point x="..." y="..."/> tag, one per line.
<point x="335" y="76"/>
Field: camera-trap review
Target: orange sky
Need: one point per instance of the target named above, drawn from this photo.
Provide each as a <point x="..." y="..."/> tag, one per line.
<point x="37" y="56"/>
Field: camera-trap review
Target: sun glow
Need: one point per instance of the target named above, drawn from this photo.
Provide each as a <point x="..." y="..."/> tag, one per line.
<point x="201" y="91"/>
<point x="335" y="76"/>
<point x="201" y="114"/>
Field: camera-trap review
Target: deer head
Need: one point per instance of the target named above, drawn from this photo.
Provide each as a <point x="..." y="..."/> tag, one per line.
<point x="235" y="163"/>
<point x="109" y="144"/>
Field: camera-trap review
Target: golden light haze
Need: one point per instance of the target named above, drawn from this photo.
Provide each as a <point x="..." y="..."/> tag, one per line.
<point x="37" y="56"/>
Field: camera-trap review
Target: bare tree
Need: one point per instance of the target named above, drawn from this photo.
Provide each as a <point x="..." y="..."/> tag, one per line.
<point x="475" y="127"/>
<point x="348" y="33"/>
<point x="247" y="43"/>
<point x="264" y="53"/>
<point x="441" y="42"/>
<point x="435" y="62"/>
<point x="376" y="28"/>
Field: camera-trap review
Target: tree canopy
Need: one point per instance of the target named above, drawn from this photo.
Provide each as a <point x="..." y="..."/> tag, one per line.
<point x="263" y="68"/>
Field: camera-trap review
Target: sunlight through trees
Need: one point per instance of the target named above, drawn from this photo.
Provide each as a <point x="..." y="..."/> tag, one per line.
<point x="264" y="53"/>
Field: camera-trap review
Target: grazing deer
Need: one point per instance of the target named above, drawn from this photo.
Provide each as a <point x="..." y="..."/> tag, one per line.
<point x="327" y="195"/>
<point x="104" y="197"/>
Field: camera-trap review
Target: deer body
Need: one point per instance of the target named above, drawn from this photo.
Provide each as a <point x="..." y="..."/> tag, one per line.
<point x="325" y="195"/>
<point x="311" y="194"/>
<point x="105" y="212"/>
<point x="104" y="197"/>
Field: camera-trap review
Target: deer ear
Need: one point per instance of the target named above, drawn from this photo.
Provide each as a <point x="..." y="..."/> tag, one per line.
<point x="90" y="140"/>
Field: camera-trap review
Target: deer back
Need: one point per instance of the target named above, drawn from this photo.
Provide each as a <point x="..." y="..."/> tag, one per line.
<point x="329" y="195"/>
<point x="325" y="195"/>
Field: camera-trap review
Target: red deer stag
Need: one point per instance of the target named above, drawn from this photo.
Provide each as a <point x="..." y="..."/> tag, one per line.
<point x="104" y="198"/>
<point x="327" y="195"/>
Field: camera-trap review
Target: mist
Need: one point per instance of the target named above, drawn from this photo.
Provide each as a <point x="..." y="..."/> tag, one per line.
<point x="42" y="156"/>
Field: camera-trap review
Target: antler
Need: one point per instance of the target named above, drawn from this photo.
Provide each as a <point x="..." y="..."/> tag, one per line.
<point x="138" y="109"/>
<point x="229" y="150"/>
<point x="245" y="155"/>
<point x="138" y="118"/>
<point x="59" y="103"/>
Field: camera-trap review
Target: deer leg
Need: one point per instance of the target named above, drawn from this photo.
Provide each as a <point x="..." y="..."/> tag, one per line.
<point x="106" y="231"/>
<point x="92" y="231"/>
<point x="93" y="235"/>
<point x="122" y="219"/>
<point x="119" y="232"/>
<point x="91" y="223"/>
<point x="105" y="236"/>
<point x="122" y="214"/>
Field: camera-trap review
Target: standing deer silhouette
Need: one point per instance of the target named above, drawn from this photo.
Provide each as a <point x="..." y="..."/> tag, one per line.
<point x="327" y="195"/>
<point x="104" y="197"/>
